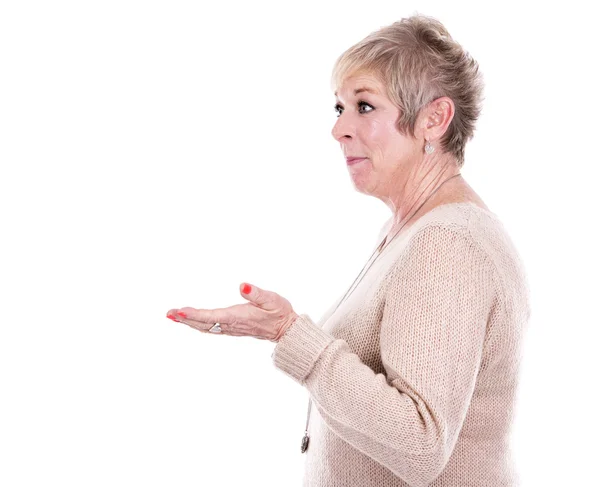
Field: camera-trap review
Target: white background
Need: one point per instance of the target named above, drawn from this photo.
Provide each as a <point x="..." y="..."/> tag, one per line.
<point x="157" y="154"/>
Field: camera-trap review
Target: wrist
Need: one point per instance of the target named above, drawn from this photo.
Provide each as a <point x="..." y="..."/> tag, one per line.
<point x="289" y="322"/>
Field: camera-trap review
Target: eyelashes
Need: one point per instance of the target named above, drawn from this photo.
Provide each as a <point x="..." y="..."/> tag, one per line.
<point x="337" y="107"/>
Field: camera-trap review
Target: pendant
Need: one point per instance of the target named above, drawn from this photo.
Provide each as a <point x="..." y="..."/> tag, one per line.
<point x="382" y="244"/>
<point x="304" y="443"/>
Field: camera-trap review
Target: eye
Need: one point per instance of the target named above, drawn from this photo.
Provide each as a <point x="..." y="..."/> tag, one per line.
<point x="365" y="104"/>
<point x="361" y="104"/>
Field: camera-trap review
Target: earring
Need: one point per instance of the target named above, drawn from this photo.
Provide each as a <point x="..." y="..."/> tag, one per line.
<point x="428" y="147"/>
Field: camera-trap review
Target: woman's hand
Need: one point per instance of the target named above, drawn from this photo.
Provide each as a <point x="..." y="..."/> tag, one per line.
<point x="267" y="316"/>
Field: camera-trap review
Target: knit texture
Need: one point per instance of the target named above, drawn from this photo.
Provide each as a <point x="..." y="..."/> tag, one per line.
<point x="414" y="377"/>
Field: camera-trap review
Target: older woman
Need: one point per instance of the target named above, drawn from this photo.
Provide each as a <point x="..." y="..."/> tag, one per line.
<point x="413" y="373"/>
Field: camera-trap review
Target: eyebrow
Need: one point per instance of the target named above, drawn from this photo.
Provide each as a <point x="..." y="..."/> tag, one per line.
<point x="360" y="90"/>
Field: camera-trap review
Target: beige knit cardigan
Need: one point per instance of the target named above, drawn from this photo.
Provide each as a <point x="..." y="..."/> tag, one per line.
<point x="413" y="379"/>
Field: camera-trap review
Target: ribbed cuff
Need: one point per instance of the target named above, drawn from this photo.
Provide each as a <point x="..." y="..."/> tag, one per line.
<point x="299" y="348"/>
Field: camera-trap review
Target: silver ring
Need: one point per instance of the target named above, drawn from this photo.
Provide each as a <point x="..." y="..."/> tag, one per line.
<point x="216" y="328"/>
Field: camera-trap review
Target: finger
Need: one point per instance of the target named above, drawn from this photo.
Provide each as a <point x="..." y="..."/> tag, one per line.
<point x="205" y="328"/>
<point x="171" y="315"/>
<point x="197" y="325"/>
<point x="257" y="295"/>
<point x="218" y="315"/>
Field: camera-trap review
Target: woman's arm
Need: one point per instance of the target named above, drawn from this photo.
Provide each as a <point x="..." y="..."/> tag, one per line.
<point x="438" y="300"/>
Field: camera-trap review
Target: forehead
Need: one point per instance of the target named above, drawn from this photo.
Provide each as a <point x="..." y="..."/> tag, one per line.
<point x="358" y="83"/>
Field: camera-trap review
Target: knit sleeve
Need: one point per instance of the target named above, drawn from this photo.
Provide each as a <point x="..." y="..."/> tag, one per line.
<point x="438" y="298"/>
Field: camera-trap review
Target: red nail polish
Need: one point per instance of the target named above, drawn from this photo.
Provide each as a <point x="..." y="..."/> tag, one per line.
<point x="181" y="313"/>
<point x="246" y="289"/>
<point x="173" y="318"/>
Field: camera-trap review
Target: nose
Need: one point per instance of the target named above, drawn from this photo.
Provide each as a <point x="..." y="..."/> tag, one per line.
<point x="343" y="129"/>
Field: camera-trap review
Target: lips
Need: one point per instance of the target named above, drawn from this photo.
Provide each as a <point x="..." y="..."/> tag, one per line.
<point x="354" y="160"/>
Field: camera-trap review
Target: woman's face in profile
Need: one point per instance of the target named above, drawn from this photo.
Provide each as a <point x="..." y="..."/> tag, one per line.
<point x="366" y="127"/>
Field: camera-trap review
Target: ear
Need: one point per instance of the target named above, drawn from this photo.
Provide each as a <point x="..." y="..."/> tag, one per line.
<point x="435" y="119"/>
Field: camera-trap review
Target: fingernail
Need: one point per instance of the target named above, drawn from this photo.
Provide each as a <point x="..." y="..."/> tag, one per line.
<point x="246" y="288"/>
<point x="172" y="317"/>
<point x="181" y="313"/>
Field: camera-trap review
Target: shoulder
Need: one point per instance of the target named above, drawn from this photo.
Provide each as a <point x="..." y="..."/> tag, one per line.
<point x="462" y="226"/>
<point x="443" y="247"/>
<point x="443" y="270"/>
<point x="453" y="228"/>
<point x="491" y="235"/>
<point x="444" y="243"/>
<point x="464" y="240"/>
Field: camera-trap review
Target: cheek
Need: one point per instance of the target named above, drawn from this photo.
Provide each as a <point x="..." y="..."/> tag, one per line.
<point x="375" y="133"/>
<point x="381" y="136"/>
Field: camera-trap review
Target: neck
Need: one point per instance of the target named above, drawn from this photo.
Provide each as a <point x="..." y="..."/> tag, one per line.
<point x="420" y="186"/>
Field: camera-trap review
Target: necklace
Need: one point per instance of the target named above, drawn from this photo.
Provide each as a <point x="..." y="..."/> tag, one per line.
<point x="369" y="263"/>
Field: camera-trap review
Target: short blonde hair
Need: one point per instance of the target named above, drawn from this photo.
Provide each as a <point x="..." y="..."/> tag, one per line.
<point x="418" y="61"/>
